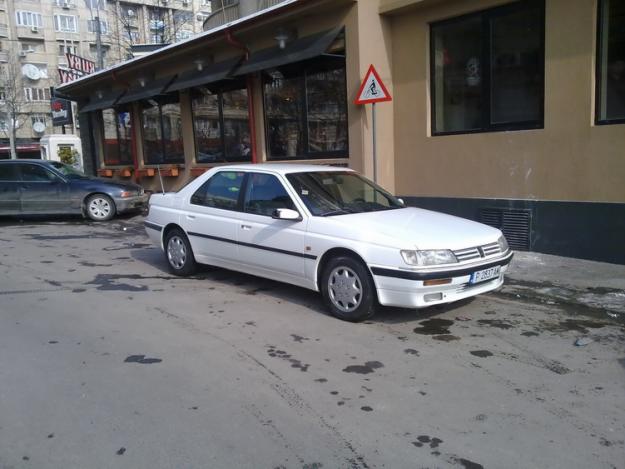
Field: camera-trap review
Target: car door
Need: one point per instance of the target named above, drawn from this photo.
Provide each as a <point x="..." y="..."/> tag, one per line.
<point x="211" y="218"/>
<point x="41" y="190"/>
<point x="9" y="189"/>
<point x="268" y="246"/>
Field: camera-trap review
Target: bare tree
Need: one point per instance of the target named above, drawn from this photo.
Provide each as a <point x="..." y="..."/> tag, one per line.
<point x="164" y="26"/>
<point x="13" y="105"/>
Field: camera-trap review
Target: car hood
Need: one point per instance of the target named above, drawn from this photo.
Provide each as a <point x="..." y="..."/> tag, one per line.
<point x="410" y="228"/>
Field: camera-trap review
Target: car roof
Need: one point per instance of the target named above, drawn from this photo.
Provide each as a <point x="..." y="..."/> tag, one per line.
<point x="25" y="160"/>
<point x="284" y="168"/>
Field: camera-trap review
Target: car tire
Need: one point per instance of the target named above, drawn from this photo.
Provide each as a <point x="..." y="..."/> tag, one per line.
<point x="178" y="253"/>
<point x="348" y="289"/>
<point x="100" y="207"/>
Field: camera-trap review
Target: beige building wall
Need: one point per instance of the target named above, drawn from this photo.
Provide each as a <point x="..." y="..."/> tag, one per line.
<point x="570" y="159"/>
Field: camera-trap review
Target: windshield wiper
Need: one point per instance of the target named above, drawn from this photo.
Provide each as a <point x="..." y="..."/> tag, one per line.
<point x="340" y="211"/>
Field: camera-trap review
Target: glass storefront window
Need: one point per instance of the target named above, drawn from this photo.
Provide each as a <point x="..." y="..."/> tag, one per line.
<point x="162" y="132"/>
<point x="611" y="63"/>
<point x="117" y="144"/>
<point x="327" y="111"/>
<point x="306" y="113"/>
<point x="221" y="125"/>
<point x="488" y="70"/>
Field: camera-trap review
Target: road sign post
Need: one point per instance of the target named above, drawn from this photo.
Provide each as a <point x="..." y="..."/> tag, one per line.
<point x="372" y="91"/>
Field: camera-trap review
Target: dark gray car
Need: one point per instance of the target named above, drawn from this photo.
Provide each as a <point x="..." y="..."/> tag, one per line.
<point x="35" y="187"/>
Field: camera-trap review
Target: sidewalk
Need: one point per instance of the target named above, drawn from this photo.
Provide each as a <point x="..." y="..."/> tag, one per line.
<point x="594" y="288"/>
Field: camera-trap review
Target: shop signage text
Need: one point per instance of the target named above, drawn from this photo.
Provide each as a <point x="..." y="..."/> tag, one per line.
<point x="61" y="111"/>
<point x="80" y="64"/>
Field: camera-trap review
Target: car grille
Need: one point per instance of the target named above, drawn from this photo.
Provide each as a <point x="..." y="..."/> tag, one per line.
<point x="477" y="252"/>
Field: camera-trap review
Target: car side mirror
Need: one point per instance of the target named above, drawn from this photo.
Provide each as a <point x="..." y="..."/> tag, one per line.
<point x="286" y="214"/>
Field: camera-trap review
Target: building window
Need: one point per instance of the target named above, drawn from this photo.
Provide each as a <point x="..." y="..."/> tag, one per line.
<point x="36" y="94"/>
<point x="221" y="125"/>
<point x="92" y="26"/>
<point x="487" y="70"/>
<point x="117" y="132"/>
<point x="66" y="48"/>
<point x="65" y="23"/>
<point x="306" y="112"/>
<point x="29" y="18"/>
<point x="3" y="94"/>
<point x="162" y="132"/>
<point x="34" y="118"/>
<point x="610" y="98"/>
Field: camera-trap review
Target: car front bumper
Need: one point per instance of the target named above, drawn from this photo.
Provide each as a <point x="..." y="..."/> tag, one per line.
<point x="406" y="288"/>
<point x="131" y="203"/>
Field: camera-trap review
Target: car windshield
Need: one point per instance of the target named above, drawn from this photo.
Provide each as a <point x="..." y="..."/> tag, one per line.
<point x="338" y="193"/>
<point x="68" y="171"/>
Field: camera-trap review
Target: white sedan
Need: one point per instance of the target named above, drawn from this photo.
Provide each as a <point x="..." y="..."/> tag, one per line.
<point x="330" y="230"/>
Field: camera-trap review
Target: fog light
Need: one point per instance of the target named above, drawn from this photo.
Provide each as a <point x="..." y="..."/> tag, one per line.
<point x="433" y="297"/>
<point x="437" y="281"/>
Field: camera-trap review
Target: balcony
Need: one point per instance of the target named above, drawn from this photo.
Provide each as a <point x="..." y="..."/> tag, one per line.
<point x="222" y="16"/>
<point x="30" y="32"/>
<point x="4" y="56"/>
<point x="4" y="30"/>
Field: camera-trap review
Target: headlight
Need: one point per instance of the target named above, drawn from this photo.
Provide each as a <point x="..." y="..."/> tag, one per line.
<point x="126" y="194"/>
<point x="431" y="257"/>
<point x="503" y="243"/>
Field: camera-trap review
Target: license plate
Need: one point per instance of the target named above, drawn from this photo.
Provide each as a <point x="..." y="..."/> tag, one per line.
<point x="486" y="274"/>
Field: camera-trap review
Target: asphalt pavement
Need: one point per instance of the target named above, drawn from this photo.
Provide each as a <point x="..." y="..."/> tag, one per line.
<point x="108" y="361"/>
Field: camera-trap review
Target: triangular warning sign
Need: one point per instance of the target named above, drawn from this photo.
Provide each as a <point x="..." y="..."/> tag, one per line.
<point x="372" y="90"/>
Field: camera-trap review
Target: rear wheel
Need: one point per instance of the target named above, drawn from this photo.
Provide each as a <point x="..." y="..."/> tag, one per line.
<point x="100" y="207"/>
<point x="179" y="254"/>
<point x="348" y="289"/>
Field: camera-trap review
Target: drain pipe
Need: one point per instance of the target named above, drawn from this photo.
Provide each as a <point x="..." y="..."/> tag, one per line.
<point x="133" y="135"/>
<point x="250" y="93"/>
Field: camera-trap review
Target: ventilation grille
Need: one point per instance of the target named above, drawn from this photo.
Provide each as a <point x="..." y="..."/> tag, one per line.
<point x="477" y="252"/>
<point x="515" y="225"/>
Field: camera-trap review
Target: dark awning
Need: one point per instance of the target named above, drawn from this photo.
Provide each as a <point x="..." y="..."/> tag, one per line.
<point x="107" y="100"/>
<point x="301" y="49"/>
<point x="152" y="88"/>
<point x="210" y="74"/>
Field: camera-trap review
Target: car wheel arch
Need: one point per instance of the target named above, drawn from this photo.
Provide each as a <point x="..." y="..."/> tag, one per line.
<point x="336" y="252"/>
<point x="167" y="228"/>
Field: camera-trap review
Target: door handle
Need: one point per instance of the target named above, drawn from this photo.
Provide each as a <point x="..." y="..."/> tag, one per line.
<point x="246" y="227"/>
<point x="190" y="217"/>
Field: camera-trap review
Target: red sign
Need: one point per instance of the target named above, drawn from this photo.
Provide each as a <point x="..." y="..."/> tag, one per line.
<point x="79" y="64"/>
<point x="372" y="90"/>
<point x="68" y="75"/>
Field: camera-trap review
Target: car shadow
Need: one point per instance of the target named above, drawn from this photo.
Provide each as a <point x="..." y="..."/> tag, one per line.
<point x="17" y="220"/>
<point x="291" y="293"/>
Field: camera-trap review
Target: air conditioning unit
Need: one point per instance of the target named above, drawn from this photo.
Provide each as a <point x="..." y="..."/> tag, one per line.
<point x="131" y="13"/>
<point x="66" y="5"/>
<point x="34" y="29"/>
<point x="22" y="54"/>
<point x="185" y="2"/>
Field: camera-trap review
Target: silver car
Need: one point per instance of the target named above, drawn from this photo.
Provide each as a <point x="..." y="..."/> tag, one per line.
<point x="36" y="187"/>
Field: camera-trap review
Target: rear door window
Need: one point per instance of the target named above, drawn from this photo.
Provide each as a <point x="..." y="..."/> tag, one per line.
<point x="8" y="173"/>
<point x="222" y="191"/>
<point x="36" y="173"/>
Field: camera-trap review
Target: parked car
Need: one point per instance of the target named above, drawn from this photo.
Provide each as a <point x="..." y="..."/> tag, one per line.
<point x="34" y="187"/>
<point x="330" y="230"/>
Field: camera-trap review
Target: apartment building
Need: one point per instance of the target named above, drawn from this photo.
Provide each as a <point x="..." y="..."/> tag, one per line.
<point x="35" y="35"/>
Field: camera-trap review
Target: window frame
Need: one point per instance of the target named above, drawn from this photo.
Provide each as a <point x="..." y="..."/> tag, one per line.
<point x="485" y="17"/>
<point x="117" y="111"/>
<point x="58" y="27"/>
<point x="36" y="19"/>
<point x="219" y="91"/>
<point x="598" y="75"/>
<point x="160" y="103"/>
<point x="307" y="68"/>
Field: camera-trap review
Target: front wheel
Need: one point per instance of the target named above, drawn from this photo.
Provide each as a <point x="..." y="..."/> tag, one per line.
<point x="179" y="254"/>
<point x="348" y="289"/>
<point x="100" y="207"/>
